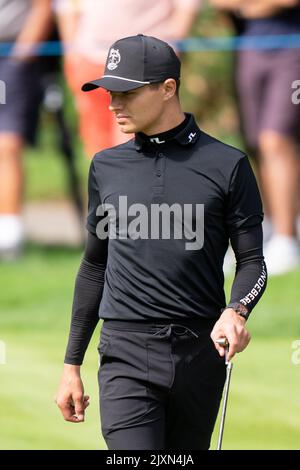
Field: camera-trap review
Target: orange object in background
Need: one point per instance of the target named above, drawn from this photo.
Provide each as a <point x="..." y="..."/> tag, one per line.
<point x="97" y="125"/>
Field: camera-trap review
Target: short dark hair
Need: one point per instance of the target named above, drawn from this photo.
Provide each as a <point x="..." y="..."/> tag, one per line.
<point x="156" y="85"/>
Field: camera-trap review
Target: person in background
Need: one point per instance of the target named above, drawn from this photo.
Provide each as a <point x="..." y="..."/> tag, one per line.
<point x="270" y="120"/>
<point x="88" y="28"/>
<point x="23" y="23"/>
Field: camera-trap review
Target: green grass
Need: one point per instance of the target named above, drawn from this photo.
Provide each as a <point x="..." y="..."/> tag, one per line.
<point x="263" y="408"/>
<point x="45" y="169"/>
<point x="36" y="297"/>
<point x="35" y="301"/>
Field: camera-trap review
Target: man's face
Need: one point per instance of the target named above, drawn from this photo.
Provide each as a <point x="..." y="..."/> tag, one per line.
<point x="138" y="110"/>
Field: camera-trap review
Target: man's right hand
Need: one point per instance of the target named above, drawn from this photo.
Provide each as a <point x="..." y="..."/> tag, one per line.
<point x="70" y="397"/>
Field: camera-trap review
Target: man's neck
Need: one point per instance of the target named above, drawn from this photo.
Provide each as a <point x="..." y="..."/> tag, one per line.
<point x="167" y="124"/>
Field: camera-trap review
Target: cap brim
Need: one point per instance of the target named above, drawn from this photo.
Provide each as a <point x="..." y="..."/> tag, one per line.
<point x="113" y="84"/>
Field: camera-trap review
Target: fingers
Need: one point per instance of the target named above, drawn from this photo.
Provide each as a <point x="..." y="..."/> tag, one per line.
<point x="237" y="336"/>
<point x="220" y="349"/>
<point x="233" y="347"/>
<point x="74" y="410"/>
<point x="68" y="411"/>
<point x="238" y="341"/>
<point x="79" y="408"/>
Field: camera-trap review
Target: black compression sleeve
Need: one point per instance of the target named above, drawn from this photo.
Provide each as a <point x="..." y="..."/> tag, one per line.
<point x="87" y="296"/>
<point x="251" y="274"/>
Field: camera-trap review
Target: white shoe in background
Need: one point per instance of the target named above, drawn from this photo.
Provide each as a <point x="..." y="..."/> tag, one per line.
<point x="282" y="254"/>
<point x="11" y="236"/>
<point x="267" y="229"/>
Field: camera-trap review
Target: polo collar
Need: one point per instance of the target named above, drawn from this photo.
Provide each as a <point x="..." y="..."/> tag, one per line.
<point x="187" y="136"/>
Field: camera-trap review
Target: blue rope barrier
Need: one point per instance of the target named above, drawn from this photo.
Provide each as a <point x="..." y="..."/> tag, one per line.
<point x="51" y="48"/>
<point x="282" y="41"/>
<point x="194" y="44"/>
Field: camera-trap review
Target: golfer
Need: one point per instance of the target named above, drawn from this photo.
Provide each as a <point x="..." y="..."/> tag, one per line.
<point x="162" y="209"/>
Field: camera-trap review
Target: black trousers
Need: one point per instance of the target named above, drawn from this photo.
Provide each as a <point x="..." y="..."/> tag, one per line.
<point x="160" y="385"/>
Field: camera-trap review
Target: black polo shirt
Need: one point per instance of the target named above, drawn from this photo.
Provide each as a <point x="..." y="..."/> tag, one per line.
<point x="157" y="278"/>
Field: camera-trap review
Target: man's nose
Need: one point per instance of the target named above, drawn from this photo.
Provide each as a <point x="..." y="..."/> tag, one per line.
<point x="116" y="103"/>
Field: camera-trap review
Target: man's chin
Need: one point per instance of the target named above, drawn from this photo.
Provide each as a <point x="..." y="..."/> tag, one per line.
<point x="127" y="129"/>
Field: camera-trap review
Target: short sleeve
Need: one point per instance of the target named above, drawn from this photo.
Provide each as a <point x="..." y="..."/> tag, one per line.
<point x="244" y="205"/>
<point x="93" y="200"/>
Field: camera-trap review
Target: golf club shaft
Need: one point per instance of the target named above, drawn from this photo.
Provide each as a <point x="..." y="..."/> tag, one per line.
<point x="225" y="400"/>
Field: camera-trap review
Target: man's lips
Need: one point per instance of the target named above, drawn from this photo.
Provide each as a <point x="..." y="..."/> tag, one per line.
<point x="122" y="116"/>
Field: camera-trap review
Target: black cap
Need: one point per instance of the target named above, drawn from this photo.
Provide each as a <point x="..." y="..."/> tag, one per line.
<point x="137" y="61"/>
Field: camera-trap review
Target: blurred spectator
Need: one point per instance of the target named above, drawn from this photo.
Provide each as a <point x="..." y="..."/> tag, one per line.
<point x="270" y="120"/>
<point x="24" y="23"/>
<point x="88" y="27"/>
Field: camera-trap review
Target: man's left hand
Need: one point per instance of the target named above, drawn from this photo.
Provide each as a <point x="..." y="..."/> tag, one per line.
<point x="231" y="326"/>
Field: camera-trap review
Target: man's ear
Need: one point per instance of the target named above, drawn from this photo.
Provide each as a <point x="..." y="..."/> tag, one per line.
<point x="169" y="87"/>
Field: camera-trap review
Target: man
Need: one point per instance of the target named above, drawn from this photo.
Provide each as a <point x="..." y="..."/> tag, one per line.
<point x="158" y="276"/>
<point x="88" y="28"/>
<point x="270" y="119"/>
<point x="22" y="23"/>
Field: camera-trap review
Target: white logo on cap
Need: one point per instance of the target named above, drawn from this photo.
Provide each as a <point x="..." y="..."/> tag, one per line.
<point x="114" y="59"/>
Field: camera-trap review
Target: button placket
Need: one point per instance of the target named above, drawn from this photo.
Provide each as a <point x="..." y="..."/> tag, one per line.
<point x="158" y="177"/>
<point x="159" y="169"/>
<point x="159" y="164"/>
